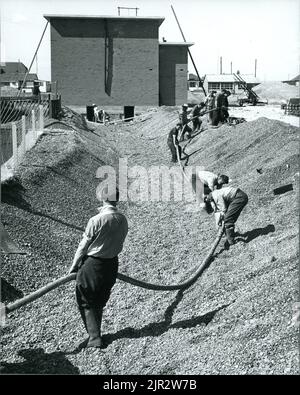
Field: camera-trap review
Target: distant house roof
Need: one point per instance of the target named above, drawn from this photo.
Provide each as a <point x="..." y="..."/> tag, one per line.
<point x="194" y="77"/>
<point x="12" y="67"/>
<point x="249" y="78"/>
<point x="15" y="77"/>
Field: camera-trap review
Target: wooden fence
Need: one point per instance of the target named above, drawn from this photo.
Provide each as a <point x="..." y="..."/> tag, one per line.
<point x="17" y="138"/>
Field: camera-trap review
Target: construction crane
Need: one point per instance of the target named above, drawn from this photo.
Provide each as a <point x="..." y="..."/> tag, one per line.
<point x="252" y="97"/>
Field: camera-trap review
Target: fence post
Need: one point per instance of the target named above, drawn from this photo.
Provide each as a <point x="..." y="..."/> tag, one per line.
<point x="23" y="142"/>
<point x="41" y="126"/>
<point x="14" y="145"/>
<point x="34" y="134"/>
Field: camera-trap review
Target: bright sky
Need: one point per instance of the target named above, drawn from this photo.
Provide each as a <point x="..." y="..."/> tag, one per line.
<point x="238" y="30"/>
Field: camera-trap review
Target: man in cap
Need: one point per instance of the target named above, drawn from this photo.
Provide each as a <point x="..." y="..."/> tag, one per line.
<point x="96" y="264"/>
<point x="229" y="203"/>
<point x="184" y="120"/>
<point x="222" y="105"/>
<point x="173" y="141"/>
<point x="209" y="181"/>
<point x="197" y="112"/>
<point x="210" y="105"/>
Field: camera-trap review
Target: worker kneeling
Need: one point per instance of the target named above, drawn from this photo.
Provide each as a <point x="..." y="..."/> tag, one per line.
<point x="228" y="204"/>
<point x="96" y="264"/>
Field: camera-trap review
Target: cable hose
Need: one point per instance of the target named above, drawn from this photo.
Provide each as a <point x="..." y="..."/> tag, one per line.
<point x="143" y="284"/>
<point x="156" y="287"/>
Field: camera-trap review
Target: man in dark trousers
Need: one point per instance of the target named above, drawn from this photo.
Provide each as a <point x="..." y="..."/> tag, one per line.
<point x="222" y="105"/>
<point x="196" y="114"/>
<point x="229" y="203"/>
<point x="96" y="264"/>
<point x="173" y="141"/>
<point x="184" y="120"/>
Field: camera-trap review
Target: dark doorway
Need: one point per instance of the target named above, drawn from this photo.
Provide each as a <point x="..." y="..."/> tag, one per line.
<point x="128" y="112"/>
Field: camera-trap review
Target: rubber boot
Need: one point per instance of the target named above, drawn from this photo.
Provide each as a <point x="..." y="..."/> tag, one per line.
<point x="93" y="327"/>
<point x="230" y="235"/>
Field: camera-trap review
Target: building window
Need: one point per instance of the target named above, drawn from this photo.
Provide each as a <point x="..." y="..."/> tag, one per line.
<point x="193" y="84"/>
<point x="227" y="85"/>
<point x="213" y="86"/>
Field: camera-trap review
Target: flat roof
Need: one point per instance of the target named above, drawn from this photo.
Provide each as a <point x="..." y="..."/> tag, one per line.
<point x="249" y="78"/>
<point x="154" y="18"/>
<point x="176" y="43"/>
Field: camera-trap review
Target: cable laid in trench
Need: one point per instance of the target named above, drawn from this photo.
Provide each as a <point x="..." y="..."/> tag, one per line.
<point x="157" y="287"/>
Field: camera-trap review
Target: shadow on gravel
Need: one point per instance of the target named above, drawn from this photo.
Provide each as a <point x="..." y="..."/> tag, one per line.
<point x="254" y="233"/>
<point x="158" y="328"/>
<point x="247" y="237"/>
<point x="12" y="193"/>
<point x="38" y="362"/>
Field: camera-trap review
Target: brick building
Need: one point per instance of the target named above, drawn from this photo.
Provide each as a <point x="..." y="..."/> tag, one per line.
<point x="173" y="73"/>
<point x="116" y="61"/>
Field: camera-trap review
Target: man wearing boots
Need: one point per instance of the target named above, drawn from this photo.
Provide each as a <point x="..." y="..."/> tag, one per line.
<point x="229" y="203"/>
<point x="96" y="264"/>
<point x="173" y="141"/>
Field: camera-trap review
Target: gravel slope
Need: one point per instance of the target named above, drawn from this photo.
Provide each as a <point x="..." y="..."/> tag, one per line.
<point x="234" y="320"/>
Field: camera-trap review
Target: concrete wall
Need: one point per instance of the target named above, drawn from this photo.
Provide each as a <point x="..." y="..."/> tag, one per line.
<point x="172" y="74"/>
<point x="82" y="48"/>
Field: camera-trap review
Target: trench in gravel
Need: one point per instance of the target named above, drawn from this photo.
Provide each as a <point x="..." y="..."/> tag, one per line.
<point x="233" y="320"/>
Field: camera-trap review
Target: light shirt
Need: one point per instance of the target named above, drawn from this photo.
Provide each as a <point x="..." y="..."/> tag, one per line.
<point x="103" y="237"/>
<point x="208" y="178"/>
<point x="223" y="197"/>
<point x="105" y="233"/>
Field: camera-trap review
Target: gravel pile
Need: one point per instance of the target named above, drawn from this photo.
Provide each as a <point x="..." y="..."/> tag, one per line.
<point x="234" y="320"/>
<point x="276" y="92"/>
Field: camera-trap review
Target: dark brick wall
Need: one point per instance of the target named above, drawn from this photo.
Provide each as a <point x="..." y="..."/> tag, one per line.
<point x="172" y="74"/>
<point x="80" y="53"/>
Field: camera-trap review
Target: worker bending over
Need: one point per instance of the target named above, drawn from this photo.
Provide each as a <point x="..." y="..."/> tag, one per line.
<point x="96" y="264"/>
<point x="228" y="203"/>
<point x="209" y="182"/>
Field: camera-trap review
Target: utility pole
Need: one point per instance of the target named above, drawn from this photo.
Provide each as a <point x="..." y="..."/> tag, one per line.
<point x="221" y="65"/>
<point x="230" y="67"/>
<point x="255" y="67"/>
<point x="189" y="52"/>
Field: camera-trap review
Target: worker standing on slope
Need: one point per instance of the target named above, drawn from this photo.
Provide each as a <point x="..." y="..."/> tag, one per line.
<point x="222" y="105"/>
<point x="184" y="120"/>
<point x="210" y="102"/>
<point x="197" y="112"/>
<point x="173" y="141"/>
<point x="229" y="203"/>
<point x="96" y="264"/>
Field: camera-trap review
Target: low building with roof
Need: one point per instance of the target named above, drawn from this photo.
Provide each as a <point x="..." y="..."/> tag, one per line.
<point x="12" y="75"/>
<point x="229" y="81"/>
